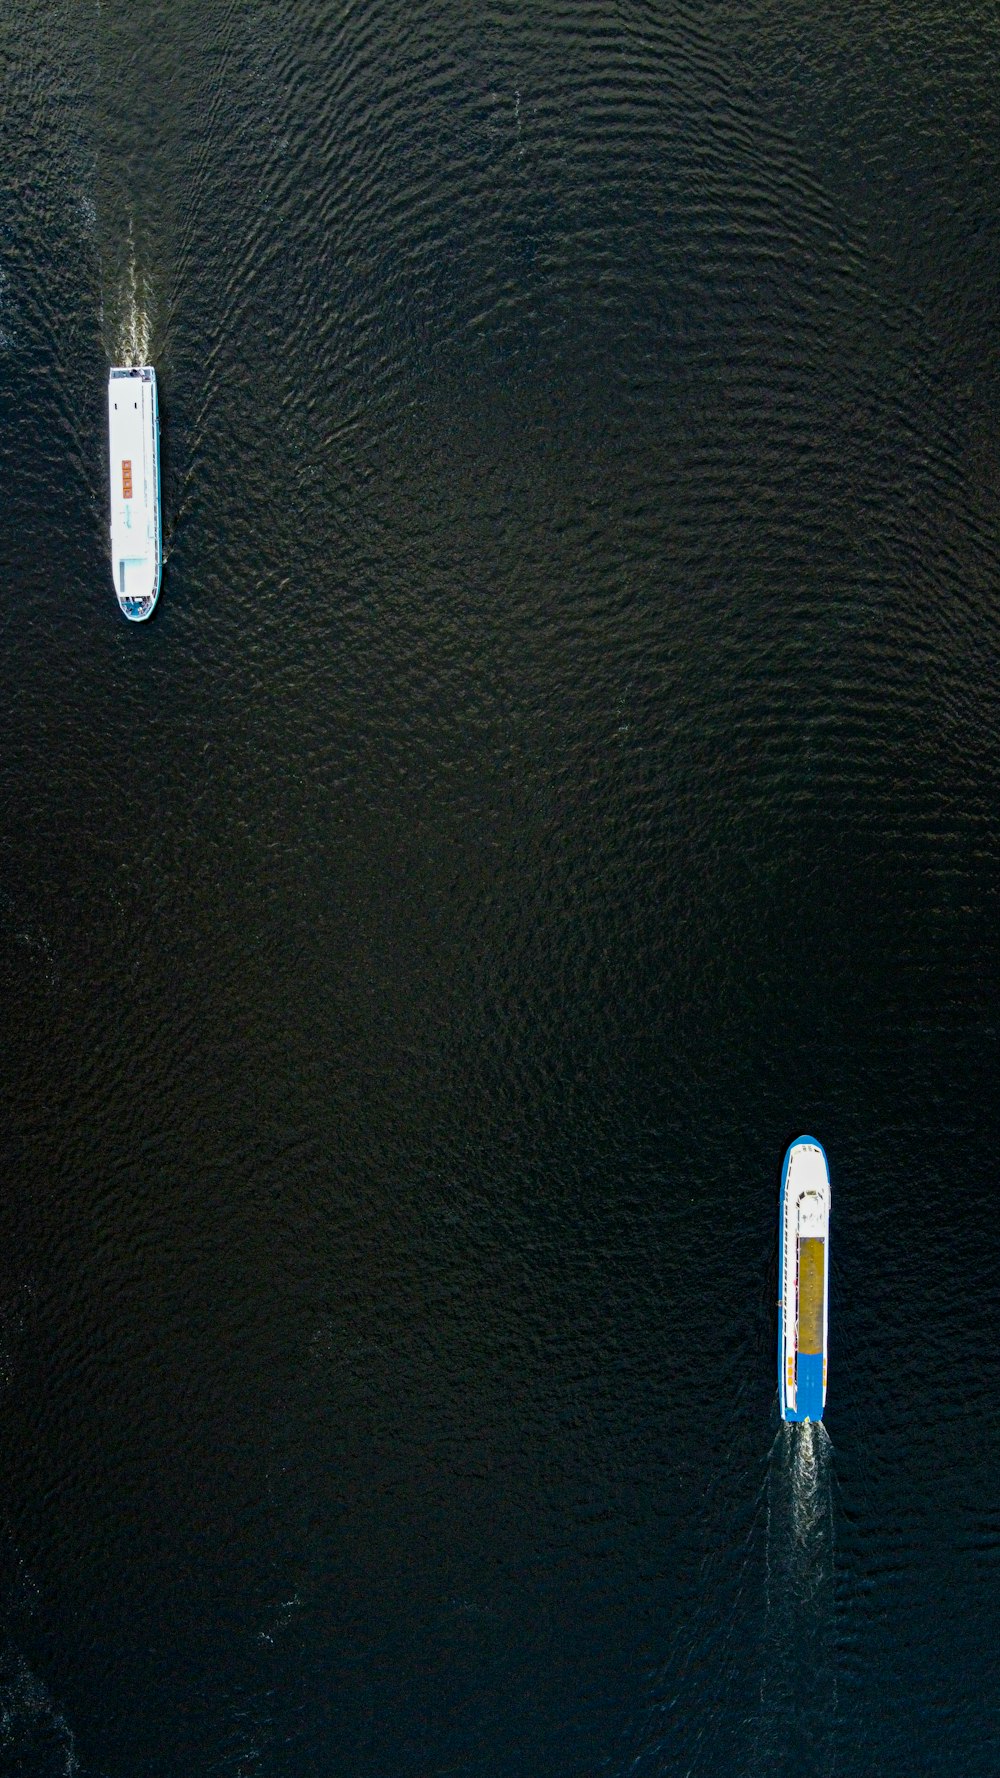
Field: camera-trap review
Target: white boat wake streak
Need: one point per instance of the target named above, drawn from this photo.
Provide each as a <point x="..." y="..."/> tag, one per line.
<point x="798" y="1691"/>
<point x="34" y="1737"/>
<point x="135" y="327"/>
<point x="127" y="315"/>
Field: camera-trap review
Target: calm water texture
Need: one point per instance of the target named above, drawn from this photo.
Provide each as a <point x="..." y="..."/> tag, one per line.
<point x="563" y="767"/>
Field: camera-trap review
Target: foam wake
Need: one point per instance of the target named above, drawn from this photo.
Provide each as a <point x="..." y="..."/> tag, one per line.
<point x="798" y="1690"/>
<point x="34" y="1736"/>
<point x="128" y="310"/>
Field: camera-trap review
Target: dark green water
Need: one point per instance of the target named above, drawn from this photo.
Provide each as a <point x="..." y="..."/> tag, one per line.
<point x="563" y="766"/>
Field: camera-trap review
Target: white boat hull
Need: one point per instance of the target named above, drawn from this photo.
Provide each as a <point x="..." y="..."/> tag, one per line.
<point x="134" y="447"/>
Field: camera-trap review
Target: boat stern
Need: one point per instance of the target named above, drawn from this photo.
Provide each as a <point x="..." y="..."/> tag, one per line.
<point x="809" y="1395"/>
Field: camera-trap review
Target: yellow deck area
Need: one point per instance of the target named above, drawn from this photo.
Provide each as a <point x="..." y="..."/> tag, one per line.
<point x="812" y="1268"/>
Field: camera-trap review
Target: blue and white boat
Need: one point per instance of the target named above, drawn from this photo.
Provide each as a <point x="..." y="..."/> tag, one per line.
<point x="134" y="441"/>
<point x="804" y="1280"/>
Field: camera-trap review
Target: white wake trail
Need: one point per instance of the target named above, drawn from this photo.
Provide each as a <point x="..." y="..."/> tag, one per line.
<point x="135" y="329"/>
<point x="798" y="1690"/>
<point x="127" y="310"/>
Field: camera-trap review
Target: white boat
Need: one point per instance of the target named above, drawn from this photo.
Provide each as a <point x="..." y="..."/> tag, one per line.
<point x="804" y="1274"/>
<point x="134" y="441"/>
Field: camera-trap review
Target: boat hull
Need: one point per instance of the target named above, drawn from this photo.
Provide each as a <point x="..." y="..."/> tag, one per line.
<point x="134" y="453"/>
<point x="804" y="1281"/>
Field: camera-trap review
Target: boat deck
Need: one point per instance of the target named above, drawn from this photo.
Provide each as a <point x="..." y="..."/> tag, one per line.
<point x="812" y="1269"/>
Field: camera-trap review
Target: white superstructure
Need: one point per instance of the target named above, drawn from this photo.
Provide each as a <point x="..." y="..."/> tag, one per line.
<point x="134" y="445"/>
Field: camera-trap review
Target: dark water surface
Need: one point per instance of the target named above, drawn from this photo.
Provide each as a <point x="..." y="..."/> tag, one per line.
<point x="563" y="767"/>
